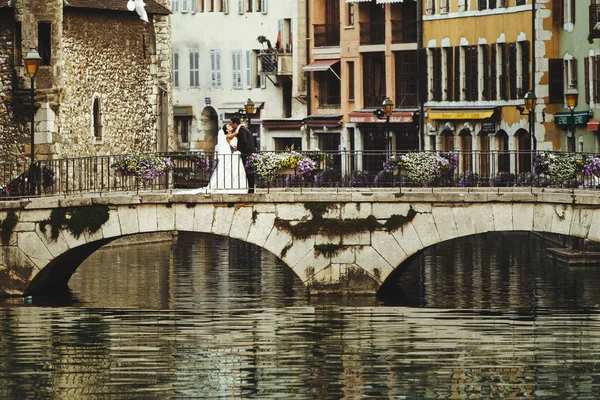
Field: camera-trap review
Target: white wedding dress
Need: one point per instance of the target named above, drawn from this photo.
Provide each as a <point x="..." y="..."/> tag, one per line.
<point x="230" y="175"/>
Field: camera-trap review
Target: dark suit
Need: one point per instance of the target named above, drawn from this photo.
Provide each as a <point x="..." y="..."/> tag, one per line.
<point x="246" y="147"/>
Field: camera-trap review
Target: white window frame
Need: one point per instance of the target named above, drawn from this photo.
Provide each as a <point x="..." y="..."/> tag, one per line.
<point x="175" y="6"/>
<point x="444" y="6"/>
<point x="225" y="6"/>
<point x="194" y="63"/>
<point x="463" y="5"/>
<point x="263" y="6"/>
<point x="236" y="58"/>
<point x="193" y="6"/>
<point x="240" y="6"/>
<point x="185" y="6"/>
<point x="570" y="72"/>
<point x="176" y="72"/>
<point x="215" y="69"/>
<point x="249" y="58"/>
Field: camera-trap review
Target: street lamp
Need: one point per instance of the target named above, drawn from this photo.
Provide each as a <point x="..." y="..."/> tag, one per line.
<point x="386" y="112"/>
<point x="571" y="99"/>
<point x="32" y="63"/>
<point x="530" y="102"/>
<point x="249" y="108"/>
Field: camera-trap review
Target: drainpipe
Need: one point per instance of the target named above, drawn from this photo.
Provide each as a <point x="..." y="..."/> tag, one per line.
<point x="420" y="101"/>
<point x="533" y="66"/>
<point x="308" y="82"/>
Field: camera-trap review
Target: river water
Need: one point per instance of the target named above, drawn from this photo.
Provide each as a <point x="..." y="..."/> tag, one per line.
<point x="207" y="317"/>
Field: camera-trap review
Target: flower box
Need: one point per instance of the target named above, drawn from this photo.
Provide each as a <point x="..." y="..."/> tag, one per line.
<point x="288" y="171"/>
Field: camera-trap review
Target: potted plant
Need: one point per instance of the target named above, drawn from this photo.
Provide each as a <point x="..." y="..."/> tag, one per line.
<point x="268" y="166"/>
<point x="145" y="166"/>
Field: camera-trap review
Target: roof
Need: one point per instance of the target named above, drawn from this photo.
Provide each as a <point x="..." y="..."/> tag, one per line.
<point x="152" y="7"/>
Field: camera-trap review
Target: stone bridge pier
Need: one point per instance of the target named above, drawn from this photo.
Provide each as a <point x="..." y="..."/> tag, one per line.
<point x="336" y="243"/>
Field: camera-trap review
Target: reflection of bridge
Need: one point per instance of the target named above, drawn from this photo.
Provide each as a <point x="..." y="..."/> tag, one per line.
<point x="344" y="242"/>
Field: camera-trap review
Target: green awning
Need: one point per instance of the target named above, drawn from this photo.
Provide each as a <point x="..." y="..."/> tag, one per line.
<point x="564" y="118"/>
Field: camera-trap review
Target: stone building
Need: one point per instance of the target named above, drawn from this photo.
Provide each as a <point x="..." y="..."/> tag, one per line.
<point x="104" y="84"/>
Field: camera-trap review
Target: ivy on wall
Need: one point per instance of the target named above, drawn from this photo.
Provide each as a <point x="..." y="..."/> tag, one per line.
<point x="76" y="220"/>
<point x="8" y="226"/>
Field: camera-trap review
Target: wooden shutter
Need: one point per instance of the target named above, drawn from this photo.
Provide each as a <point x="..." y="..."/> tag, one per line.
<point x="481" y="4"/>
<point x="437" y="73"/>
<point x="473" y="73"/>
<point x="586" y="73"/>
<point x="457" y="74"/>
<point x="556" y="84"/>
<point x="525" y="66"/>
<point x="573" y="77"/>
<point x="449" y="76"/>
<point x="512" y="73"/>
<point x="485" y="83"/>
<point x="557" y="12"/>
<point x="462" y="6"/>
<point x="503" y="55"/>
<point x="422" y="75"/>
<point x="493" y="73"/>
<point x="572" y="7"/>
<point x="595" y="80"/>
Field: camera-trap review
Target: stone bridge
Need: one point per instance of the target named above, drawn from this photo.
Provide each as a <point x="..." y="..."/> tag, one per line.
<point x="346" y="243"/>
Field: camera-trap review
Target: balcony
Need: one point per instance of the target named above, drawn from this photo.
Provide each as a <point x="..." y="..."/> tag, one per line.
<point x="372" y="33"/>
<point x="275" y="64"/>
<point x="370" y="101"/>
<point x="327" y="100"/>
<point x="327" y="35"/>
<point x="404" y="31"/>
<point x="594" y="21"/>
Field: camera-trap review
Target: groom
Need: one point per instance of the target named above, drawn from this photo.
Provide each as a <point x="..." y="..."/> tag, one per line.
<point x="246" y="147"/>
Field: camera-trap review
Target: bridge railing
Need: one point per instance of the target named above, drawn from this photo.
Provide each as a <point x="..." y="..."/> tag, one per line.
<point x="341" y="169"/>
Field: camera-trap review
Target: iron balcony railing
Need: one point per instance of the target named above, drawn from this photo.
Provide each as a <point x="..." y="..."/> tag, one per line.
<point x="326" y="35"/>
<point x="404" y="31"/>
<point x="344" y="169"/>
<point x="372" y="33"/>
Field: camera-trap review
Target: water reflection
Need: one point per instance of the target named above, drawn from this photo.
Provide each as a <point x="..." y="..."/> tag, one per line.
<point x="208" y="317"/>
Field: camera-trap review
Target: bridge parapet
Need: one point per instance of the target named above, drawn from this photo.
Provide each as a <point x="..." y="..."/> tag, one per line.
<point x="345" y="242"/>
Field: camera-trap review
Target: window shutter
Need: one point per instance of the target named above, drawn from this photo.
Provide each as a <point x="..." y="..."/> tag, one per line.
<point x="573" y="78"/>
<point x="457" y="75"/>
<point x="503" y="56"/>
<point x="444" y="6"/>
<point x="429" y="7"/>
<point x="525" y="66"/>
<point x="437" y="73"/>
<point x="193" y="6"/>
<point x="557" y="12"/>
<point x="586" y="73"/>
<point x="485" y="83"/>
<point x="225" y="6"/>
<point x="555" y="73"/>
<point x="493" y="73"/>
<point x="240" y="6"/>
<point x="422" y="75"/>
<point x="462" y="6"/>
<point x="175" y="5"/>
<point x="572" y="6"/>
<point x="184" y="6"/>
<point x="595" y="80"/>
<point x="249" y="69"/>
<point x="501" y="3"/>
<point x="263" y="6"/>
<point x="512" y="72"/>
<point x="176" y="69"/>
<point x="481" y="4"/>
<point x="449" y="76"/>
<point x="218" y="63"/>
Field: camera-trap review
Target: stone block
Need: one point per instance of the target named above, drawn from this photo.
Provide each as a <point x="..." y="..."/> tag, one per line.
<point x="34" y="248"/>
<point x="424" y="225"/>
<point x="523" y="216"/>
<point x="483" y="216"/>
<point x="503" y="217"/>
<point x="55" y="246"/>
<point x="112" y="227"/>
<point x="291" y="212"/>
<point x="260" y="229"/>
<point x="203" y="218"/>
<point x="561" y="220"/>
<point x="242" y="220"/>
<point x="147" y="218"/>
<point x="277" y="241"/>
<point x="43" y="203"/>
<point x="356" y="210"/>
<point x="408" y="238"/>
<point x="542" y="217"/>
<point x="223" y="220"/>
<point x="581" y="222"/>
<point x="75" y="202"/>
<point x="361" y="238"/>
<point x="128" y="217"/>
<point x="165" y="217"/>
<point x="184" y="217"/>
<point x="346" y="255"/>
<point x="465" y="224"/>
<point x="386" y="245"/>
<point x="24" y="227"/>
<point x="71" y="240"/>
<point x="444" y="222"/>
<point x="368" y="259"/>
<point x="154" y="198"/>
<point x="594" y="232"/>
<point x="34" y="215"/>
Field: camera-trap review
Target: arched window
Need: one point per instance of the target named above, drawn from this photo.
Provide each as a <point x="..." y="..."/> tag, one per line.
<point x="524" y="149"/>
<point x="466" y="147"/>
<point x="97" y="119"/>
<point x="503" y="152"/>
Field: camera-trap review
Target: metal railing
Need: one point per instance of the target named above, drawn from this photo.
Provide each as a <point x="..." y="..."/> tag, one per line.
<point x="404" y="31"/>
<point x="372" y="33"/>
<point x="344" y="169"/>
<point x="327" y="35"/>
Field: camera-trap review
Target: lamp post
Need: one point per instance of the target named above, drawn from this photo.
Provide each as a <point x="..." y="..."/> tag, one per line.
<point x="249" y="109"/>
<point x="530" y="102"/>
<point x="32" y="63"/>
<point x="386" y="112"/>
<point x="571" y="99"/>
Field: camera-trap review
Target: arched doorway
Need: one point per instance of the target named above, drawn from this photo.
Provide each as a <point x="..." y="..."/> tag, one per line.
<point x="484" y="154"/>
<point x="209" y="126"/>
<point x="503" y="151"/>
<point x="523" y="139"/>
<point x="447" y="140"/>
<point x="466" y="147"/>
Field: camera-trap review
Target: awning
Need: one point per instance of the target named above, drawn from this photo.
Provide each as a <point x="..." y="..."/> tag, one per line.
<point x="240" y="105"/>
<point x="320" y="65"/>
<point x="367" y="117"/>
<point x="593" y="125"/>
<point x="358" y="1"/>
<point x="564" y="118"/>
<point x="281" y="124"/>
<point x="460" y="114"/>
<point x="391" y="1"/>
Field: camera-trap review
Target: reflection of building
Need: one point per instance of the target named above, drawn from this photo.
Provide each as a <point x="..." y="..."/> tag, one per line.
<point x="219" y="63"/>
<point x="479" y="67"/>
<point x="362" y="52"/>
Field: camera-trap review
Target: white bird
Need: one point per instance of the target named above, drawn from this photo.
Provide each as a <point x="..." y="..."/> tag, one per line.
<point x="138" y="6"/>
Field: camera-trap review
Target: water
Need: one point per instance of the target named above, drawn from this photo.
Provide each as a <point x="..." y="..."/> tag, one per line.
<point x="209" y="317"/>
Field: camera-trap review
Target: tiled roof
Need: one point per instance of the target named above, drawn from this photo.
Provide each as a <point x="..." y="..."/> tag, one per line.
<point x="152" y="7"/>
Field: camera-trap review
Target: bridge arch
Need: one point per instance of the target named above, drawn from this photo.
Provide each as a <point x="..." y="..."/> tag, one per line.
<point x="356" y="261"/>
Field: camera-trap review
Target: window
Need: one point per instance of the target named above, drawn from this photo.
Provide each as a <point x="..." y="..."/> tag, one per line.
<point x="444" y="6"/>
<point x="224" y="6"/>
<point x="447" y="62"/>
<point x="193" y="6"/>
<point x="436" y="76"/>
<point x="524" y="73"/>
<point x="512" y="71"/>
<point x="592" y="80"/>
<point x="249" y="59"/>
<point x="556" y="84"/>
<point x="406" y="78"/>
<point x="236" y="56"/>
<point x="463" y="5"/>
<point x="18" y="44"/>
<point x="215" y="69"/>
<point x="240" y="6"/>
<point x="249" y="7"/>
<point x="200" y="5"/>
<point x="212" y="5"/>
<point x="329" y="87"/>
<point x="45" y="42"/>
<point x="182" y="128"/>
<point x="350" y="66"/>
<point x="175" y="6"/>
<point x="97" y="119"/>
<point x="471" y="73"/>
<point x="502" y="57"/>
<point x="175" y="69"/>
<point x="194" y="68"/>
<point x="263" y="6"/>
<point x="430" y="7"/>
<point x="486" y="4"/>
<point x="185" y="6"/>
<point x="281" y="144"/>
<point x="486" y="82"/>
<point x="569" y="11"/>
<point x="350" y="14"/>
<point x="570" y="71"/>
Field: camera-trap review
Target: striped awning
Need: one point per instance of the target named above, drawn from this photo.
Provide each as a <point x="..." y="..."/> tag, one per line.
<point x="391" y="1"/>
<point x="593" y="125"/>
<point x="358" y="1"/>
<point x="460" y="114"/>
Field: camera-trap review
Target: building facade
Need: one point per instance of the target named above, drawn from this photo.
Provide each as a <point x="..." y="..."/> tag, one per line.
<point x="226" y="52"/>
<point x="103" y="86"/>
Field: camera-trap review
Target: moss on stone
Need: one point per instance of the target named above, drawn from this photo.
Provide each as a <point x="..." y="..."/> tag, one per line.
<point x="328" y="250"/>
<point x="76" y="220"/>
<point x="285" y="249"/>
<point x="8" y="226"/>
<point x="317" y="209"/>
<point x="396" y="221"/>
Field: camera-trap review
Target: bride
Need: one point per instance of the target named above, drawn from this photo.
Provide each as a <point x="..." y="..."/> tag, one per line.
<point x="230" y="175"/>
